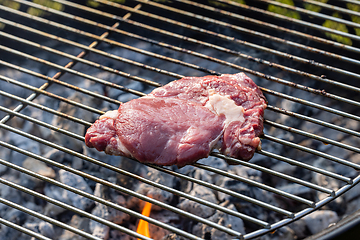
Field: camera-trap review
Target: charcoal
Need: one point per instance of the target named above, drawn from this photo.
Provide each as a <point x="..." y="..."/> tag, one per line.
<point x="54" y="154"/>
<point x="319" y="220"/>
<point x="298" y="190"/>
<point x="46" y="229"/>
<point x="300" y="228"/>
<point x="56" y="193"/>
<point x="101" y="231"/>
<point x="284" y="168"/>
<point x="77" y="163"/>
<point x="283" y="233"/>
<point x="223" y="219"/>
<point x="33" y="226"/>
<point x="8" y="192"/>
<point x="352" y="206"/>
<point x="4" y="155"/>
<point x="154" y="192"/>
<point x="166" y="217"/>
<point x="66" y="196"/>
<point x="38" y="167"/>
<point x="118" y="235"/>
<point x="79" y="183"/>
<point x="3" y="169"/>
<point x="173" y="236"/>
<point x="353" y="194"/>
<point x="198" y="209"/>
<point x="9" y="233"/>
<point x="105" y="212"/>
<point x="78" y="223"/>
<point x="23" y="143"/>
<point x="73" y="127"/>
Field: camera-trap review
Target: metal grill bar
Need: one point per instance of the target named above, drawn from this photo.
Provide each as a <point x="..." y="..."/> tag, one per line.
<point x="148" y="199"/>
<point x="22" y="229"/>
<point x="318" y="153"/>
<point x="303" y="149"/>
<point x="314" y="14"/>
<point x="307" y="211"/>
<point x="24" y="85"/>
<point x="27" y="102"/>
<point x="322" y="139"/>
<point x="269" y="137"/>
<point x="352" y="1"/>
<point x="313" y="120"/>
<point x="44" y="90"/>
<point x="275" y="173"/>
<point x="273" y="26"/>
<point x="187" y="39"/>
<point x="68" y="70"/>
<point x="270" y="189"/>
<point x="17" y="206"/>
<point x="286" y="82"/>
<point x="106" y="183"/>
<point x="283" y="82"/>
<point x="293" y="20"/>
<point x="221" y="156"/>
<point x="290" y="215"/>
<point x="53" y="201"/>
<point x="331" y="7"/>
<point x="74" y="30"/>
<point x="58" y="75"/>
<point x="203" y="166"/>
<point x="240" y="29"/>
<point x="265" y="49"/>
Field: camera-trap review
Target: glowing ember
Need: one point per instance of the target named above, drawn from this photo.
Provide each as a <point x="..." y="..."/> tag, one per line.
<point x="143" y="226"/>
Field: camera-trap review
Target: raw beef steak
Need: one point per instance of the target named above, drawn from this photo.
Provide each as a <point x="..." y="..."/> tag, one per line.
<point x="184" y="120"/>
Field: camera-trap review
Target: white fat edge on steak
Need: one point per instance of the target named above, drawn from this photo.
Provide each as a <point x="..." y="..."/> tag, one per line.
<point x="120" y="149"/>
<point x="223" y="105"/>
<point x="109" y="114"/>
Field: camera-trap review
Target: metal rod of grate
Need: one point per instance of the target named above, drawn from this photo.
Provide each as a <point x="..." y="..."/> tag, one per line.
<point x="144" y="24"/>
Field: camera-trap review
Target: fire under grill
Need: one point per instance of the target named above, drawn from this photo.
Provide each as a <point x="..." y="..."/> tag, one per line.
<point x="64" y="63"/>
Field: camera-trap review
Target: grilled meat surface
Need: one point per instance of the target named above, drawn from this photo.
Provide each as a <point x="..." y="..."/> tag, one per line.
<point x="184" y="121"/>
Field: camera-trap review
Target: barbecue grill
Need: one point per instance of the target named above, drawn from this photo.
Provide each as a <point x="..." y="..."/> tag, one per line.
<point x="64" y="63"/>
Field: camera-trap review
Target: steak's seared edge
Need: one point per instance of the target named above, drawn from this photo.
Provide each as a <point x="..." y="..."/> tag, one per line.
<point x="184" y="120"/>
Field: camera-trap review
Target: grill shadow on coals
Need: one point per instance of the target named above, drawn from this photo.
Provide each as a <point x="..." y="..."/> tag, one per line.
<point x="60" y="70"/>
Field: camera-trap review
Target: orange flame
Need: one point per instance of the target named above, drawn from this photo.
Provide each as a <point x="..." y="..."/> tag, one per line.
<point x="143" y="226"/>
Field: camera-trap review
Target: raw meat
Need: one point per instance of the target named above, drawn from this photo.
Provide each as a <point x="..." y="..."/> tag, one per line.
<point x="184" y="121"/>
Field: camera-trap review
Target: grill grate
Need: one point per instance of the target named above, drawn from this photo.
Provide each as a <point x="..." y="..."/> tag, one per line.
<point x="112" y="47"/>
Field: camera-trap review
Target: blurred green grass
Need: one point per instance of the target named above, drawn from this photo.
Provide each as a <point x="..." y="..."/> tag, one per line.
<point x="327" y="23"/>
<point x="284" y="11"/>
